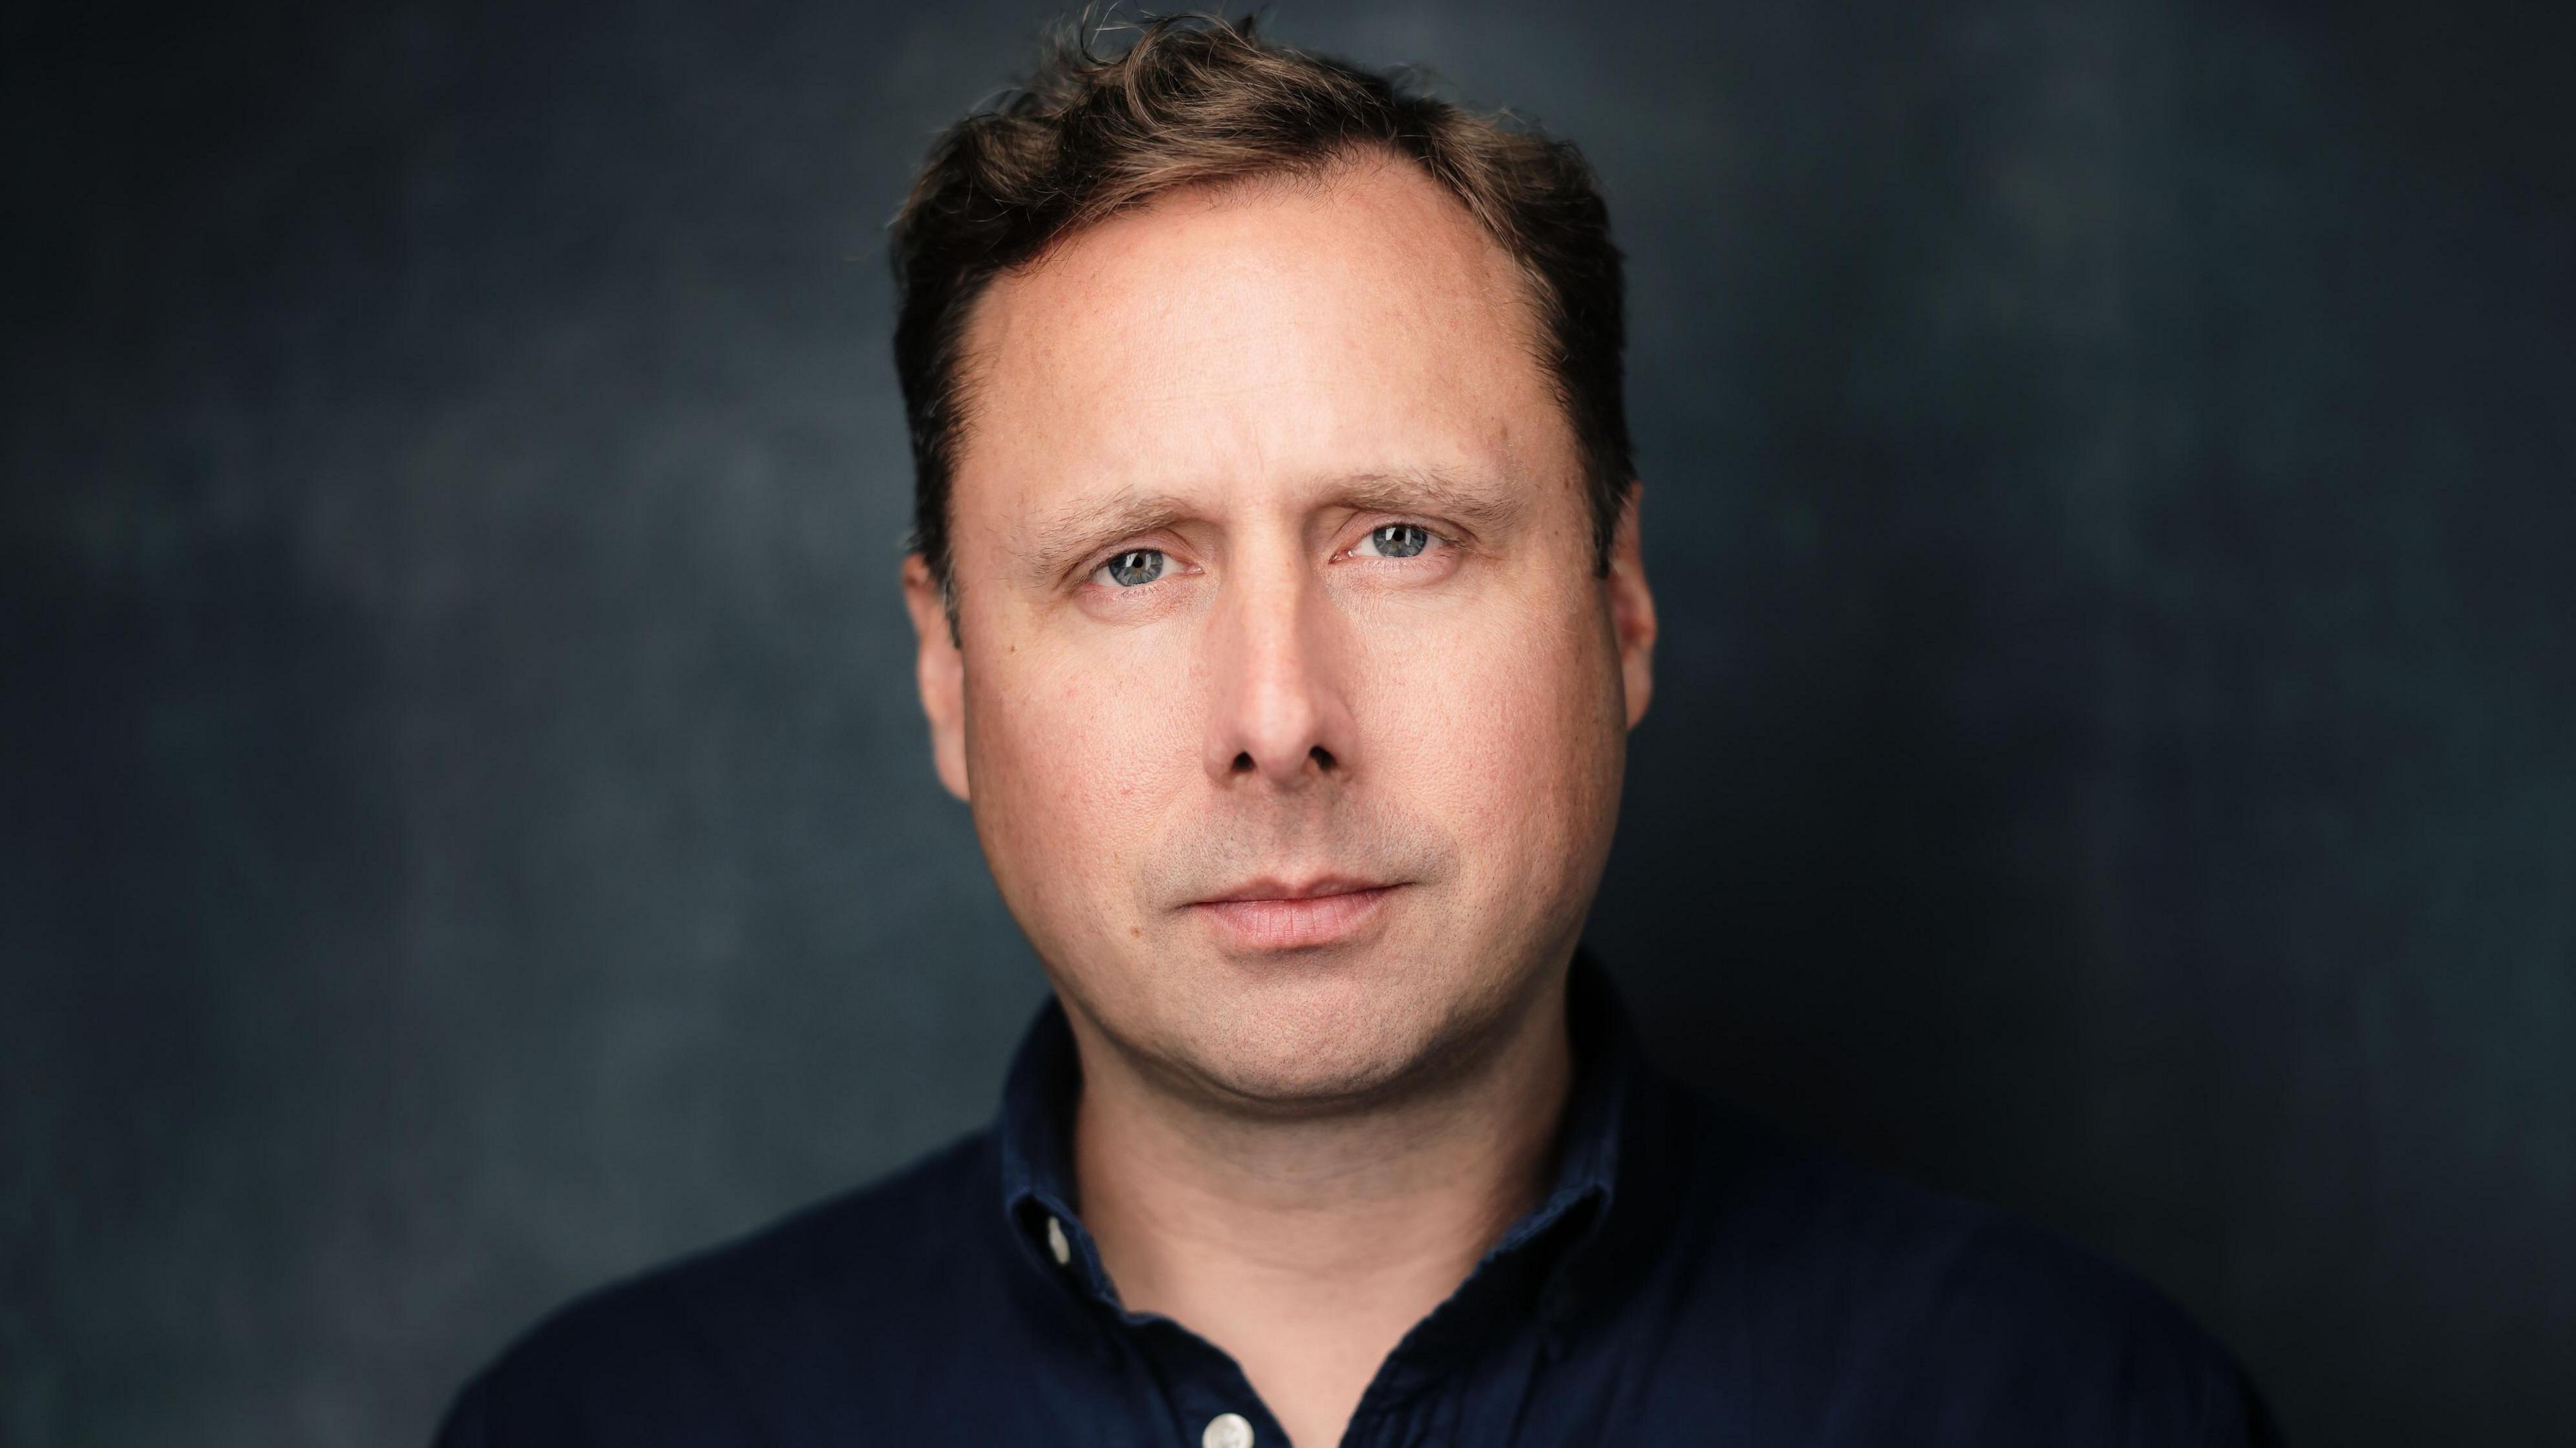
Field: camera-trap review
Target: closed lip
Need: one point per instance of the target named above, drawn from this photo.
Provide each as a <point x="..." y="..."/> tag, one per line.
<point x="1275" y="889"/>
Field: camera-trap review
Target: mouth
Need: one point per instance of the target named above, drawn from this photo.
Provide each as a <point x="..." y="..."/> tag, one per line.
<point x="1286" y="915"/>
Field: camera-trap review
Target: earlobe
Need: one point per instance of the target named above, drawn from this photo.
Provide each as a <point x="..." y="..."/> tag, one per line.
<point x="1632" y="607"/>
<point x="940" y="671"/>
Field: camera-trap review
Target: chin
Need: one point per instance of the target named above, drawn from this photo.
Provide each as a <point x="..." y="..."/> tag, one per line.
<point x="1312" y="1041"/>
<point x="1300" y="1074"/>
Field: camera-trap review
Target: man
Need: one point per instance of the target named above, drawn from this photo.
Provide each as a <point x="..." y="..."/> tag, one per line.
<point x="1281" y="620"/>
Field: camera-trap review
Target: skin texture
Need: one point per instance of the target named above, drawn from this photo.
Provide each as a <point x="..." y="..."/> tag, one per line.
<point x="1301" y="1122"/>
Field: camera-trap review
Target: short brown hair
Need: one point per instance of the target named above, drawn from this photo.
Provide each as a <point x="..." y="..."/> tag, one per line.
<point x="1198" y="99"/>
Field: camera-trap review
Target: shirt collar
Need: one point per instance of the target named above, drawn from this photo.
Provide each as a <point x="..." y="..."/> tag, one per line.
<point x="1035" y="1132"/>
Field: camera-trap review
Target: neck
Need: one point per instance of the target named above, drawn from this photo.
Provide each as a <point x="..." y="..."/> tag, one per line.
<point x="1307" y="1246"/>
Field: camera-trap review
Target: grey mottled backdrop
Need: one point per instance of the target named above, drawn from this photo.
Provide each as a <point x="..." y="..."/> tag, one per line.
<point x="465" y="831"/>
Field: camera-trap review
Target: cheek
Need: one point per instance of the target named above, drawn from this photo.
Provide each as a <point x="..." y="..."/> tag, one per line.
<point x="1514" y="735"/>
<point x="1072" y="765"/>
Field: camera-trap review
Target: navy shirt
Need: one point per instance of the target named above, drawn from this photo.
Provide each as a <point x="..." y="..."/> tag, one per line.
<point x="1687" y="1279"/>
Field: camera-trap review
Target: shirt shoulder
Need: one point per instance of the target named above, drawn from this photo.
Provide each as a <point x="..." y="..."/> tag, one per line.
<point x="792" y="1322"/>
<point x="1902" y="1314"/>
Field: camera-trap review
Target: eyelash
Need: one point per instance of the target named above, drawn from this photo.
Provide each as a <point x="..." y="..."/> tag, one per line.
<point x="1435" y="535"/>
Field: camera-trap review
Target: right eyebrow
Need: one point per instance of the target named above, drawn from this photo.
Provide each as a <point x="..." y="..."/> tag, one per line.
<point x="1062" y="539"/>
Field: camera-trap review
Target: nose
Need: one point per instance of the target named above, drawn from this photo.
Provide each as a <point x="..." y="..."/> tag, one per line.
<point x="1279" y="711"/>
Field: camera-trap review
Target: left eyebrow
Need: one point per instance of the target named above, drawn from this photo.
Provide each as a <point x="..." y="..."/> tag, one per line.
<point x="1483" y="508"/>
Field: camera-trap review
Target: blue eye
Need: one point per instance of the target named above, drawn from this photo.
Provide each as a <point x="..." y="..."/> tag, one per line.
<point x="1398" y="540"/>
<point x="1133" y="567"/>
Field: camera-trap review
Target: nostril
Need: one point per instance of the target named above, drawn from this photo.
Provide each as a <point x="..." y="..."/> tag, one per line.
<point x="1243" y="763"/>
<point x="1323" y="757"/>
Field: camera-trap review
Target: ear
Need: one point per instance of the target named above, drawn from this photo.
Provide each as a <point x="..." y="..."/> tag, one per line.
<point x="1632" y="607"/>
<point x="940" y="669"/>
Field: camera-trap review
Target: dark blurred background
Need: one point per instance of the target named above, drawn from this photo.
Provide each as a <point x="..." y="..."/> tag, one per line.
<point x="466" y="831"/>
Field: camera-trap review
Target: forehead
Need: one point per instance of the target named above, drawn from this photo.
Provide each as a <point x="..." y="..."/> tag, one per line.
<point x="1233" y="342"/>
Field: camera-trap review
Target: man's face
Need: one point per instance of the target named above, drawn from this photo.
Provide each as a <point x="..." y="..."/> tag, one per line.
<point x="1290" y="708"/>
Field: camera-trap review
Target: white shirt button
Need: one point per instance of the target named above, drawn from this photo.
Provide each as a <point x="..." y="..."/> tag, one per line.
<point x="1063" y="1251"/>
<point x="1227" y="1430"/>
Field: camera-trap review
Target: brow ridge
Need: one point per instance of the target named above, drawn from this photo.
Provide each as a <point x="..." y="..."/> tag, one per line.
<point x="1061" y="539"/>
